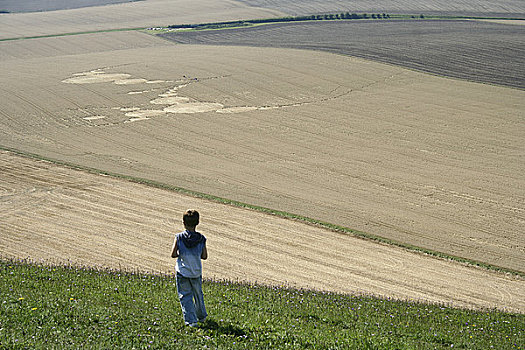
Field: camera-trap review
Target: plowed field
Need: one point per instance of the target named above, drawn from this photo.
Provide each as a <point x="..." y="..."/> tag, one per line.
<point x="449" y="7"/>
<point x="478" y="51"/>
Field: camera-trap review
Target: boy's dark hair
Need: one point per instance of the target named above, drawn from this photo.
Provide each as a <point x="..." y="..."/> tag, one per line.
<point x="191" y="218"/>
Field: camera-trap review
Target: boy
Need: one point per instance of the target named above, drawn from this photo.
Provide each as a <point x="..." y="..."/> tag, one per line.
<point x="189" y="248"/>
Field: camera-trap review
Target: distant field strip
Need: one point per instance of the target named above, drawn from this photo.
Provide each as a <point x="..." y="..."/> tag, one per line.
<point x="39" y="5"/>
<point x="449" y="7"/>
<point x="53" y="214"/>
<point x="477" y="51"/>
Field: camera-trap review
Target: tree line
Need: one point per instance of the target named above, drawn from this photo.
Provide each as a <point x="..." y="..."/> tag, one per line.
<point x="336" y="16"/>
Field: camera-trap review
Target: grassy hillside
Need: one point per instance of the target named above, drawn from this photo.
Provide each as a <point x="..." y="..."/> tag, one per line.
<point x="61" y="307"/>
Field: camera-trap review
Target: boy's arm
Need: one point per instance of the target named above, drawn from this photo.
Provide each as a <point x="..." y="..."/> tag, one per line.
<point x="204" y="254"/>
<point x="175" y="249"/>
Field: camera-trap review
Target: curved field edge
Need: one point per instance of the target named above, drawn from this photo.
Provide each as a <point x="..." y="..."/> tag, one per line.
<point x="75" y="307"/>
<point x="282" y="214"/>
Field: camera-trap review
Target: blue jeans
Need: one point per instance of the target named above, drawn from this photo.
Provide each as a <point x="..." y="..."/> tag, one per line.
<point x="191" y="299"/>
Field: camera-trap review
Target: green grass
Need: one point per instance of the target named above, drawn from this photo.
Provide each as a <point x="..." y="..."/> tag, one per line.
<point x="63" y="307"/>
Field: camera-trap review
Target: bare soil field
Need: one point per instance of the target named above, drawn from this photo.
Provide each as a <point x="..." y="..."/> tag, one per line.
<point x="479" y="51"/>
<point x="419" y="159"/>
<point x="136" y="14"/>
<point x="52" y="214"/>
<point x="443" y="7"/>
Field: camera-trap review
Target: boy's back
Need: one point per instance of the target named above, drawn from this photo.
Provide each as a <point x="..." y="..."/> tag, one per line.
<point x="190" y="245"/>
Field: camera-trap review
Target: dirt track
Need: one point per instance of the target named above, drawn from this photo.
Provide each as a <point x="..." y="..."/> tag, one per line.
<point x="58" y="215"/>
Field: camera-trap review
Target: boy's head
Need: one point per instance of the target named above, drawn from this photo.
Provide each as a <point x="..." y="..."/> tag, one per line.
<point x="190" y="218"/>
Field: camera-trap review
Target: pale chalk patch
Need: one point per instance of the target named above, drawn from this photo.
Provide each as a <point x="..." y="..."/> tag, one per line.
<point x="139" y="92"/>
<point x="128" y="109"/>
<point x="94" y="117"/>
<point x="145" y="113"/>
<point x="194" y="107"/>
<point x="173" y="91"/>
<point x="156" y="81"/>
<point x="131" y="120"/>
<point x="170" y="100"/>
<point x="95" y="77"/>
<point x="130" y="81"/>
<point x="289" y="106"/>
<point x="236" y="109"/>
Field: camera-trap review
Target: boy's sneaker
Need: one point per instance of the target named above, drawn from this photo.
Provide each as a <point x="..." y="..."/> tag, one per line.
<point x="193" y="324"/>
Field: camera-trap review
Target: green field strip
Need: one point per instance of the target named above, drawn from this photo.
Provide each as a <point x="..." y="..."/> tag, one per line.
<point x="324" y="17"/>
<point x="282" y="214"/>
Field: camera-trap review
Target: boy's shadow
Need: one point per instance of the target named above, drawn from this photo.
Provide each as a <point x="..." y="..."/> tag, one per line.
<point x="223" y="329"/>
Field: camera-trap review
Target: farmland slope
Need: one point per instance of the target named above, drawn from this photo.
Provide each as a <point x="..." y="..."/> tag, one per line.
<point x="479" y="51"/>
<point x="52" y="214"/>
<point x="418" y="159"/>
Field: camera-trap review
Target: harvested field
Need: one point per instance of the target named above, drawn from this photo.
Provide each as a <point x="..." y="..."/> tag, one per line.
<point x="75" y="45"/>
<point x="436" y="7"/>
<point x="479" y="51"/>
<point x="127" y="15"/>
<point x="419" y="159"/>
<point x="53" y="214"/>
